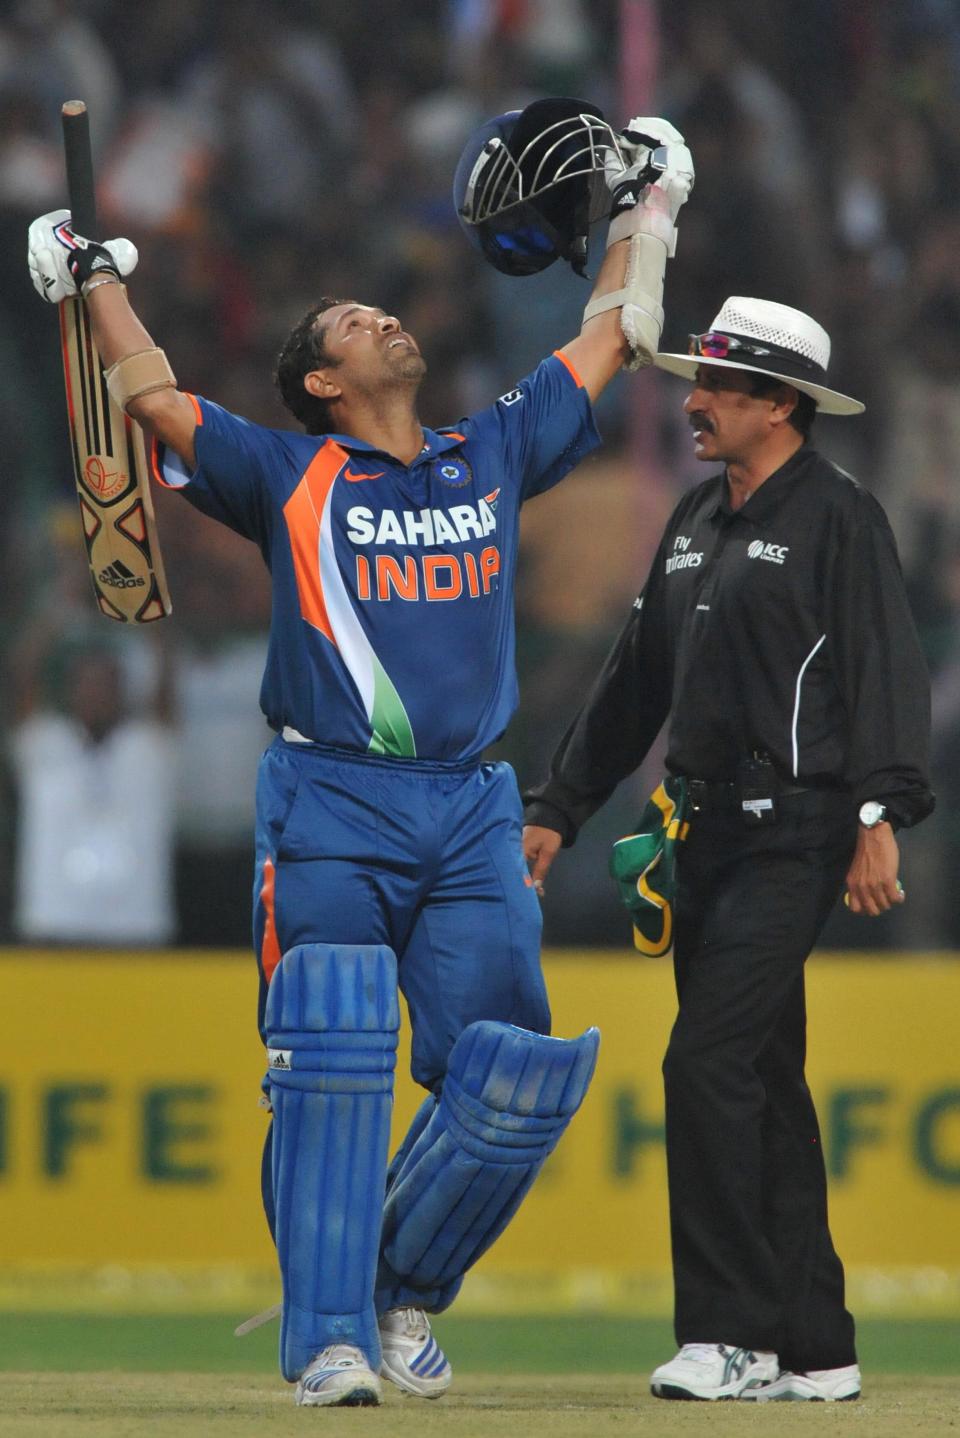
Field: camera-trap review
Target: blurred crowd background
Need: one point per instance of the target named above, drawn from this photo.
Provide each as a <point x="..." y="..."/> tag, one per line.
<point x="263" y="152"/>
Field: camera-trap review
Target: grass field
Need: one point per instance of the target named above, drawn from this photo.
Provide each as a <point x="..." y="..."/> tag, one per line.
<point x="94" y="1376"/>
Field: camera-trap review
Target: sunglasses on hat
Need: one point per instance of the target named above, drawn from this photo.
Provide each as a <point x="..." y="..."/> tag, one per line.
<point x="713" y="345"/>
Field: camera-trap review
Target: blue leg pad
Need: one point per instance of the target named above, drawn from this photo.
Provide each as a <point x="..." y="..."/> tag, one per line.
<point x="390" y="1292"/>
<point x="331" y="1025"/>
<point x="507" y="1097"/>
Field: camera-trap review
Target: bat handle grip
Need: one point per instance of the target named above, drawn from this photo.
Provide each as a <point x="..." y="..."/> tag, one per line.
<point x="80" y="187"/>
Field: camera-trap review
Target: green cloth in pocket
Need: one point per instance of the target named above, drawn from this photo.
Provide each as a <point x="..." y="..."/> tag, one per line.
<point x="644" y="865"/>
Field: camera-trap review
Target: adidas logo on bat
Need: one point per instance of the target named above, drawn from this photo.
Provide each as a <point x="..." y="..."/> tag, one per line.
<point x="118" y="576"/>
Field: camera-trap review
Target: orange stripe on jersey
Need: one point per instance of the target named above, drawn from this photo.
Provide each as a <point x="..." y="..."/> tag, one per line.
<point x="564" y="361"/>
<point x="270" y="951"/>
<point x="303" y="512"/>
<point x="155" y="469"/>
<point x="452" y="434"/>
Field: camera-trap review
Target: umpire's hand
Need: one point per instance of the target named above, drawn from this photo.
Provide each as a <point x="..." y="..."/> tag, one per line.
<point x="872" y="885"/>
<point x="540" y="848"/>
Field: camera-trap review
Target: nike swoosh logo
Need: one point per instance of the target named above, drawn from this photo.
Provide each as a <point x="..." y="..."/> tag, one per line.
<point x="356" y="478"/>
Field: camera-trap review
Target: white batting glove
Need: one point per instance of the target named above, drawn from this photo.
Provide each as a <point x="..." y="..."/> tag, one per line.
<point x="648" y="131"/>
<point x="649" y="179"/>
<point x="50" y="245"/>
<point x="648" y="194"/>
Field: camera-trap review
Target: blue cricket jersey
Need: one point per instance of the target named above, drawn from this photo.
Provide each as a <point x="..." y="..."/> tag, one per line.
<point x="392" y="630"/>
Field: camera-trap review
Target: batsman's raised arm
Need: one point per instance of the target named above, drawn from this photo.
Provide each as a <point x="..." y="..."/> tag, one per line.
<point x="141" y="381"/>
<point x="624" y="318"/>
<point x="138" y="373"/>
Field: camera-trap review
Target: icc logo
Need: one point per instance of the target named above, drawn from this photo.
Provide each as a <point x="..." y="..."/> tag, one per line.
<point x="775" y="553"/>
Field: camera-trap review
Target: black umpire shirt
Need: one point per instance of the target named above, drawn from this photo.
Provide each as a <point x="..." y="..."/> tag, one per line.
<point x="781" y="627"/>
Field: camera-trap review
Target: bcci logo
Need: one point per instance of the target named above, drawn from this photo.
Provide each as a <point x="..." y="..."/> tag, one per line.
<point x="454" y="472"/>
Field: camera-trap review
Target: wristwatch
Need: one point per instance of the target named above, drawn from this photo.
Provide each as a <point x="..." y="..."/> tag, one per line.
<point x="872" y="813"/>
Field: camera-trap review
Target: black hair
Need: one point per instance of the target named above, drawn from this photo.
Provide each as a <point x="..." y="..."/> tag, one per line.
<point x="804" y="411"/>
<point x="303" y="351"/>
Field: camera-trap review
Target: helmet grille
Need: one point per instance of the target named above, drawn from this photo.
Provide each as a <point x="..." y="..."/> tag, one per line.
<point x="570" y="148"/>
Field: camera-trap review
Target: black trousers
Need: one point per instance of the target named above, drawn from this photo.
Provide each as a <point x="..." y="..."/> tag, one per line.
<point x="753" y="1261"/>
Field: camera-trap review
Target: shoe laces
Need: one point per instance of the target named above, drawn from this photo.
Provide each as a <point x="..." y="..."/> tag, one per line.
<point x="414" y="1320"/>
<point x="699" y="1352"/>
<point x="337" y="1355"/>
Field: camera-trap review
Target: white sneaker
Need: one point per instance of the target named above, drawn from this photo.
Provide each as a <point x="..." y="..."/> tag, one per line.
<point x="710" y="1371"/>
<point x="339" y="1375"/>
<point x="820" y="1385"/>
<point x="412" y="1357"/>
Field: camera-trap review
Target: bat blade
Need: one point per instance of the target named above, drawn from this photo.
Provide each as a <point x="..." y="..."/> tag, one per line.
<point x="110" y="467"/>
<point x="109" y="458"/>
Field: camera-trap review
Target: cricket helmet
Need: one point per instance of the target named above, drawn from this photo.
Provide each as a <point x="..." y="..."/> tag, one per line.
<point x="524" y="186"/>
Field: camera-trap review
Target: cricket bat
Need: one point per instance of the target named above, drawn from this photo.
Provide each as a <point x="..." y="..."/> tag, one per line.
<point x="109" y="455"/>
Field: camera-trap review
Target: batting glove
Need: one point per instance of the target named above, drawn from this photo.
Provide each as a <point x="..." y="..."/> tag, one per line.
<point x="659" y="177"/>
<point x="62" y="262"/>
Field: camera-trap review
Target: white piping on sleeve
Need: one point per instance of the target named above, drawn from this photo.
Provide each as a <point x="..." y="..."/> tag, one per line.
<point x="796" y="703"/>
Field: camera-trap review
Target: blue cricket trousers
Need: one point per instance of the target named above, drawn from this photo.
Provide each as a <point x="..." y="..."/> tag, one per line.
<point x="425" y="857"/>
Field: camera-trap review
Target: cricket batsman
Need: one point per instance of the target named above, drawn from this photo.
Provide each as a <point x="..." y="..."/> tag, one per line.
<point x="388" y="853"/>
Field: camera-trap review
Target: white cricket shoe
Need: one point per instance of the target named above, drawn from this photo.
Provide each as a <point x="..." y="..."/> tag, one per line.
<point x="412" y="1357"/>
<point x="711" y="1371"/>
<point x="341" y="1376"/>
<point x="819" y="1385"/>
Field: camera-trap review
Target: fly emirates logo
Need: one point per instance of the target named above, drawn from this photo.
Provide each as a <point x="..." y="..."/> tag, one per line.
<point x="683" y="557"/>
<point x="434" y="577"/>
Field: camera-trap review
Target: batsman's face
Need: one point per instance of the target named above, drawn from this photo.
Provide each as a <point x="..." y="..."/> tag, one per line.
<point x="728" y="422"/>
<point x="369" y="347"/>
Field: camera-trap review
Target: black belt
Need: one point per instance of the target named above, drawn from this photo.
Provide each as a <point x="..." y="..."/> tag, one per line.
<point x="707" y="794"/>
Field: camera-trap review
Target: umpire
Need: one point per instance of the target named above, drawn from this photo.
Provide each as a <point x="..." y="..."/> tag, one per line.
<point x="774" y="631"/>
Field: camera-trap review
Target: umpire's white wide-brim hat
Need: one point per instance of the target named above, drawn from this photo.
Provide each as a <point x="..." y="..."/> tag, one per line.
<point x="766" y="338"/>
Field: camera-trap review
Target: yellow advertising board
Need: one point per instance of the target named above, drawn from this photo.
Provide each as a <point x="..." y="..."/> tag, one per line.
<point x="130" y="1133"/>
